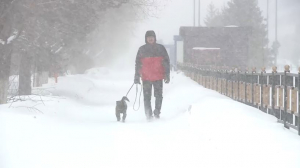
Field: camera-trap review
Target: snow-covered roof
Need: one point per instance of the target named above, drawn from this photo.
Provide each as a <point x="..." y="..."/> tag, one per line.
<point x="204" y="48"/>
<point x="231" y="26"/>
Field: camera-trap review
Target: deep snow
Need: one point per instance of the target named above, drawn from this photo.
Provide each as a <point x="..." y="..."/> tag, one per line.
<point x="199" y="128"/>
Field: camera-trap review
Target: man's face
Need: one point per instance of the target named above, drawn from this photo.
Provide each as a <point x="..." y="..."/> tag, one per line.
<point x="151" y="40"/>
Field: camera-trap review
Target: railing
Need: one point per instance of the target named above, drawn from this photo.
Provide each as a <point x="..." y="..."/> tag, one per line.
<point x="273" y="93"/>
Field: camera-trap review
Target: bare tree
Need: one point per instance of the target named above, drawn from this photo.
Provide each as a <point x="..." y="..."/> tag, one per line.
<point x="7" y="36"/>
<point x="46" y="35"/>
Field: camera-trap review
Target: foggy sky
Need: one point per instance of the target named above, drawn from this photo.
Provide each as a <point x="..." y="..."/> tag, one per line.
<point x="175" y="14"/>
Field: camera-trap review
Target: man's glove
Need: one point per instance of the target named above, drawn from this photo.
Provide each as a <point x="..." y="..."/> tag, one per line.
<point x="167" y="79"/>
<point x="137" y="81"/>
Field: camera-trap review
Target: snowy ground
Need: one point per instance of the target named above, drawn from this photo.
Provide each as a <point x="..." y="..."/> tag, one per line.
<point x="198" y="128"/>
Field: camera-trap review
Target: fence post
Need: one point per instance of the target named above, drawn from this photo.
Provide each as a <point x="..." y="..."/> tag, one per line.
<point x="217" y="79"/>
<point x="261" y="82"/>
<point x="222" y="81"/>
<point x="205" y="77"/>
<point x="238" y="84"/>
<point x="299" y="102"/>
<point x="274" y="70"/>
<point x="231" y="77"/>
<point x="245" y="84"/>
<point x="198" y="74"/>
<point x="193" y="73"/>
<point x="226" y="83"/>
<point x="286" y="70"/>
<point x="252" y="85"/>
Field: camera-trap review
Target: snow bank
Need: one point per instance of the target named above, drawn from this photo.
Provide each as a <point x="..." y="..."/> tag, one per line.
<point x="98" y="71"/>
<point x="241" y="136"/>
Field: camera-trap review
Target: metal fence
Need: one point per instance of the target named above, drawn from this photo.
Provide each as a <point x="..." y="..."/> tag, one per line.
<point x="275" y="93"/>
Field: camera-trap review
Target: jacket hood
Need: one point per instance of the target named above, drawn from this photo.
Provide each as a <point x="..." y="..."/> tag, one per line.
<point x="150" y="33"/>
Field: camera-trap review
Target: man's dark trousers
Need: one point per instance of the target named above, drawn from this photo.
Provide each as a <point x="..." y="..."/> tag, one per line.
<point x="158" y="91"/>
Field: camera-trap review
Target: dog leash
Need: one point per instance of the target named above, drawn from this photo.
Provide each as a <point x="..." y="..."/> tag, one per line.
<point x="136" y="95"/>
<point x="129" y="90"/>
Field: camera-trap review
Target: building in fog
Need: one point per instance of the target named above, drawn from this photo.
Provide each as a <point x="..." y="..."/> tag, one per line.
<point x="215" y="46"/>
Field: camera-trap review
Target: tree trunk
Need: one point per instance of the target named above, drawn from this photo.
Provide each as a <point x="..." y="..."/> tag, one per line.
<point x="25" y="76"/>
<point x="5" y="60"/>
<point x="3" y="90"/>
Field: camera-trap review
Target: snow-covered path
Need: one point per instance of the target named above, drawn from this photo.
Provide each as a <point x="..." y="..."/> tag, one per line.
<point x="198" y="128"/>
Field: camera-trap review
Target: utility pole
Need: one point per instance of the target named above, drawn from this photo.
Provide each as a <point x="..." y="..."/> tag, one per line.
<point x="266" y="52"/>
<point x="199" y="13"/>
<point x="268" y="21"/>
<point x="276" y="39"/>
<point x="276" y="22"/>
<point x="194" y="13"/>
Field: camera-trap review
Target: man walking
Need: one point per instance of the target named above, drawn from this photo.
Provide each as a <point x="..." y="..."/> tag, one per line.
<point x="153" y="66"/>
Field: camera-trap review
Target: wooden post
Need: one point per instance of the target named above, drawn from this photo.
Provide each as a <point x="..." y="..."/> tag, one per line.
<point x="221" y="80"/>
<point x="263" y="70"/>
<point x="226" y="83"/>
<point x="232" y="72"/>
<point x="286" y="70"/>
<point x="238" y="84"/>
<point x="246" y="81"/>
<point x="253" y="71"/>
<point x="274" y="71"/>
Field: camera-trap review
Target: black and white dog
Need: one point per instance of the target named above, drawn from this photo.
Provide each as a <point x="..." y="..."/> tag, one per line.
<point x="122" y="108"/>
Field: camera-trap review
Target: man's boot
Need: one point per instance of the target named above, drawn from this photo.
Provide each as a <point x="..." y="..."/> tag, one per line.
<point x="148" y="109"/>
<point x="158" y="104"/>
<point x="156" y="114"/>
<point x="148" y="113"/>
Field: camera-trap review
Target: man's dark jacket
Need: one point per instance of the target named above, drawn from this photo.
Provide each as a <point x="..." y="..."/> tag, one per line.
<point x="152" y="63"/>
